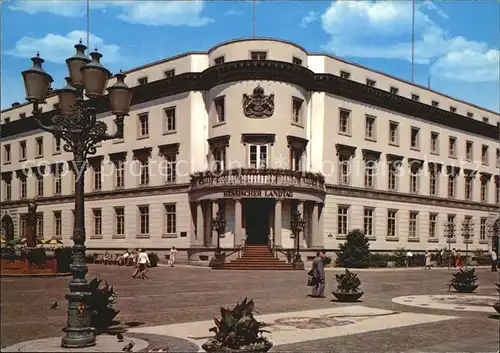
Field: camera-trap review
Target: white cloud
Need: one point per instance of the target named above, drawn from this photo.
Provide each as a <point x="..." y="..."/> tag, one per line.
<point x="233" y="12"/>
<point x="56" y="48"/>
<point x="469" y="65"/>
<point x="383" y="29"/>
<point x="151" y="13"/>
<point x="308" y="19"/>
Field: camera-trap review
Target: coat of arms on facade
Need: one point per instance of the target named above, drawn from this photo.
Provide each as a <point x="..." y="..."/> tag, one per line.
<point x="258" y="105"/>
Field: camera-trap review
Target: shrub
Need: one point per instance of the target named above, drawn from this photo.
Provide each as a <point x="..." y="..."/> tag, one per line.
<point x="101" y="301"/>
<point x="36" y="256"/>
<point x="347" y="282"/>
<point x="400" y="255"/>
<point x="327" y="260"/>
<point x="355" y="252"/>
<point x="153" y="259"/>
<point x="378" y="260"/>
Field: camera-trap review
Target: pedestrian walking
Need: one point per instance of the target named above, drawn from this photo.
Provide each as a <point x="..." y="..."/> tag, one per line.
<point x="142" y="265"/>
<point x="427" y="260"/>
<point x="494" y="260"/>
<point x="409" y="256"/>
<point x="318" y="276"/>
<point x="172" y="256"/>
<point x="458" y="259"/>
<point x="454" y="257"/>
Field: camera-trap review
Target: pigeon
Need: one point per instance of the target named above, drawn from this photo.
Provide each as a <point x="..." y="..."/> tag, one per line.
<point x="54" y="305"/>
<point x="128" y="347"/>
<point x="120" y="337"/>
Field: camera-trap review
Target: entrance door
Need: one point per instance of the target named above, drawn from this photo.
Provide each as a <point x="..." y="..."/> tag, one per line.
<point x="257" y="215"/>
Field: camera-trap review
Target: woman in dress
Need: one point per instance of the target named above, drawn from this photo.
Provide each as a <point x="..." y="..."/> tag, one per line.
<point x="171" y="258"/>
<point x="427" y="260"/>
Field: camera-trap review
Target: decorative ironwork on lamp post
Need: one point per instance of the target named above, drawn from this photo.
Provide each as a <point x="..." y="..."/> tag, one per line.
<point x="449" y="233"/>
<point x="219" y="226"/>
<point x="298" y="224"/>
<point x="467" y="233"/>
<point x="76" y="125"/>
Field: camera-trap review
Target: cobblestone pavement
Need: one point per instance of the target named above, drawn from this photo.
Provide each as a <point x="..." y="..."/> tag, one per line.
<point x="184" y="294"/>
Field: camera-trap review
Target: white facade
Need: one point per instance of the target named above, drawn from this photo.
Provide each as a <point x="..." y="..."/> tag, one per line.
<point x="193" y="129"/>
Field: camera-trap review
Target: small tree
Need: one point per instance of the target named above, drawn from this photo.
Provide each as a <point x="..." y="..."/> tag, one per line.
<point x="355" y="252"/>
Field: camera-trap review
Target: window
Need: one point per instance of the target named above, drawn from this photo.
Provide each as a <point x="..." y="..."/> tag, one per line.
<point x="39" y="184"/>
<point x="435" y="104"/>
<point x="170" y="121"/>
<point x="144" y="220"/>
<point x="258" y="156"/>
<point x="343" y="221"/>
<point x="6" y="154"/>
<point x="56" y="145"/>
<point x="57" y="224"/>
<point x="22" y="150"/>
<point x="119" y="173"/>
<point x="415" y="97"/>
<point x="39" y="227"/>
<point x="22" y="226"/>
<point x="119" y="221"/>
<point x="469" y="151"/>
<point x="394" y="90"/>
<point x="56" y="106"/>
<point x="220" y="158"/>
<point x="434" y="142"/>
<point x="22" y="115"/>
<point x="433" y="182"/>
<point x="344" y="74"/>
<point x="220" y="109"/>
<point x="97" y="222"/>
<point x="451" y="186"/>
<point x="344" y="121"/>
<point x="453" y="109"/>
<point x="486" y="120"/>
<point x="452" y="147"/>
<point x="370" y="173"/>
<point x="415" y="138"/>
<point x="170" y="167"/>
<point x="39" y="147"/>
<point x="370" y="128"/>
<point x="414" y="180"/>
<point x="170" y="219"/>
<point x="413" y="225"/>
<point x="218" y="61"/>
<point x="497" y="191"/>
<point x="470" y="115"/>
<point x="485" y="155"/>
<point x="23" y="187"/>
<point x="295" y="158"/>
<point x="57" y="179"/>
<point x="498" y="158"/>
<point x="144" y="172"/>
<point x="8" y="189"/>
<point x="394" y="133"/>
<point x="392" y="182"/>
<point x="368" y="222"/>
<point x="6" y="120"/>
<point x="97" y="175"/>
<point x="169" y="73"/>
<point x="370" y="83"/>
<point x="258" y="55"/>
<point x="433" y="225"/>
<point x="142" y="81"/>
<point x="297" y="110"/>
<point x="482" y="228"/>
<point x="391" y="223"/>
<point x="484" y="189"/>
<point x="143" y="125"/>
<point x="344" y="166"/>
<point x="296" y="61"/>
<point x="468" y="187"/>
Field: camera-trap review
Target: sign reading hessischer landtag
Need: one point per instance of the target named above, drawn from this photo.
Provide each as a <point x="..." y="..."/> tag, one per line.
<point x="262" y="193"/>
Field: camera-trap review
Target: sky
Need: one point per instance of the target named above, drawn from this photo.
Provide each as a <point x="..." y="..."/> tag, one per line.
<point x="456" y="42"/>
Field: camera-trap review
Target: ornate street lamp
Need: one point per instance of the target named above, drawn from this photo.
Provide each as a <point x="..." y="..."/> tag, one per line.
<point x="449" y="233"/>
<point x="298" y="224"/>
<point x="77" y="126"/>
<point x="219" y="226"/>
<point x="467" y="233"/>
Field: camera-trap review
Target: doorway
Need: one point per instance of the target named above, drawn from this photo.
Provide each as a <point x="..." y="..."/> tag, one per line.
<point x="257" y="216"/>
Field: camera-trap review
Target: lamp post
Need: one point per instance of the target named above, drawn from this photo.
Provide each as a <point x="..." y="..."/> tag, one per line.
<point x="219" y="226"/>
<point x="493" y="228"/>
<point x="31" y="223"/>
<point x="77" y="126"/>
<point x="467" y="233"/>
<point x="449" y="232"/>
<point x="298" y="225"/>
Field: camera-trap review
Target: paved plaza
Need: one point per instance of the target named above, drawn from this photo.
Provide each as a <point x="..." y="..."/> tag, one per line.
<point x="401" y="311"/>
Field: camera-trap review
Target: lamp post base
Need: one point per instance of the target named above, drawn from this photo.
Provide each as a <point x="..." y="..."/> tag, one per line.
<point x="78" y="338"/>
<point x="298" y="263"/>
<point x="217" y="261"/>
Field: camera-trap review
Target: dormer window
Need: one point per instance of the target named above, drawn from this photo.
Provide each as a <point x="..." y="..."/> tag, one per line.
<point x="370" y="83"/>
<point x="258" y="55"/>
<point x="167" y="74"/>
<point x="394" y="90"/>
<point x="453" y="109"/>
<point x="415" y="97"/>
<point x="219" y="60"/>
<point x="22" y="115"/>
<point x="296" y="61"/>
<point x="142" y="81"/>
<point x="345" y="74"/>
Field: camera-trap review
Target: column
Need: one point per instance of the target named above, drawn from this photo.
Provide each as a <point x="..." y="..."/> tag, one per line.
<point x="315" y="226"/>
<point x="321" y="225"/>
<point x="301" y="209"/>
<point x="238" y="224"/>
<point x="277" y="222"/>
<point x="215" y="208"/>
<point x="200" y="224"/>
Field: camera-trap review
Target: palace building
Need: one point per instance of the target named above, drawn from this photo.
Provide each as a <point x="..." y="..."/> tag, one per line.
<point x="258" y="129"/>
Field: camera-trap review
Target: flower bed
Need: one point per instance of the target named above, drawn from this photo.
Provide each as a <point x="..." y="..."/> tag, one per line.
<point x="21" y="260"/>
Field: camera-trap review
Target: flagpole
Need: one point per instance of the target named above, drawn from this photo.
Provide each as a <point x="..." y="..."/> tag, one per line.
<point x="413" y="43"/>
<point x="254" y="17"/>
<point x="88" y="25"/>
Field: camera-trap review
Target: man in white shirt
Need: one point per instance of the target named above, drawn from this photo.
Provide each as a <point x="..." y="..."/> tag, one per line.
<point x="142" y="263"/>
<point x="409" y="256"/>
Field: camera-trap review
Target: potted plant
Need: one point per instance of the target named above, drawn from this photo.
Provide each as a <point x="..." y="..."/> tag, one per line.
<point x="496" y="306"/>
<point x="238" y="331"/>
<point x="347" y="287"/>
<point x="100" y="302"/>
<point x="464" y="281"/>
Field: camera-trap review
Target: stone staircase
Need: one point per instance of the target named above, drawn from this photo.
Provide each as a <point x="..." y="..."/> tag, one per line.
<point x="257" y="257"/>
